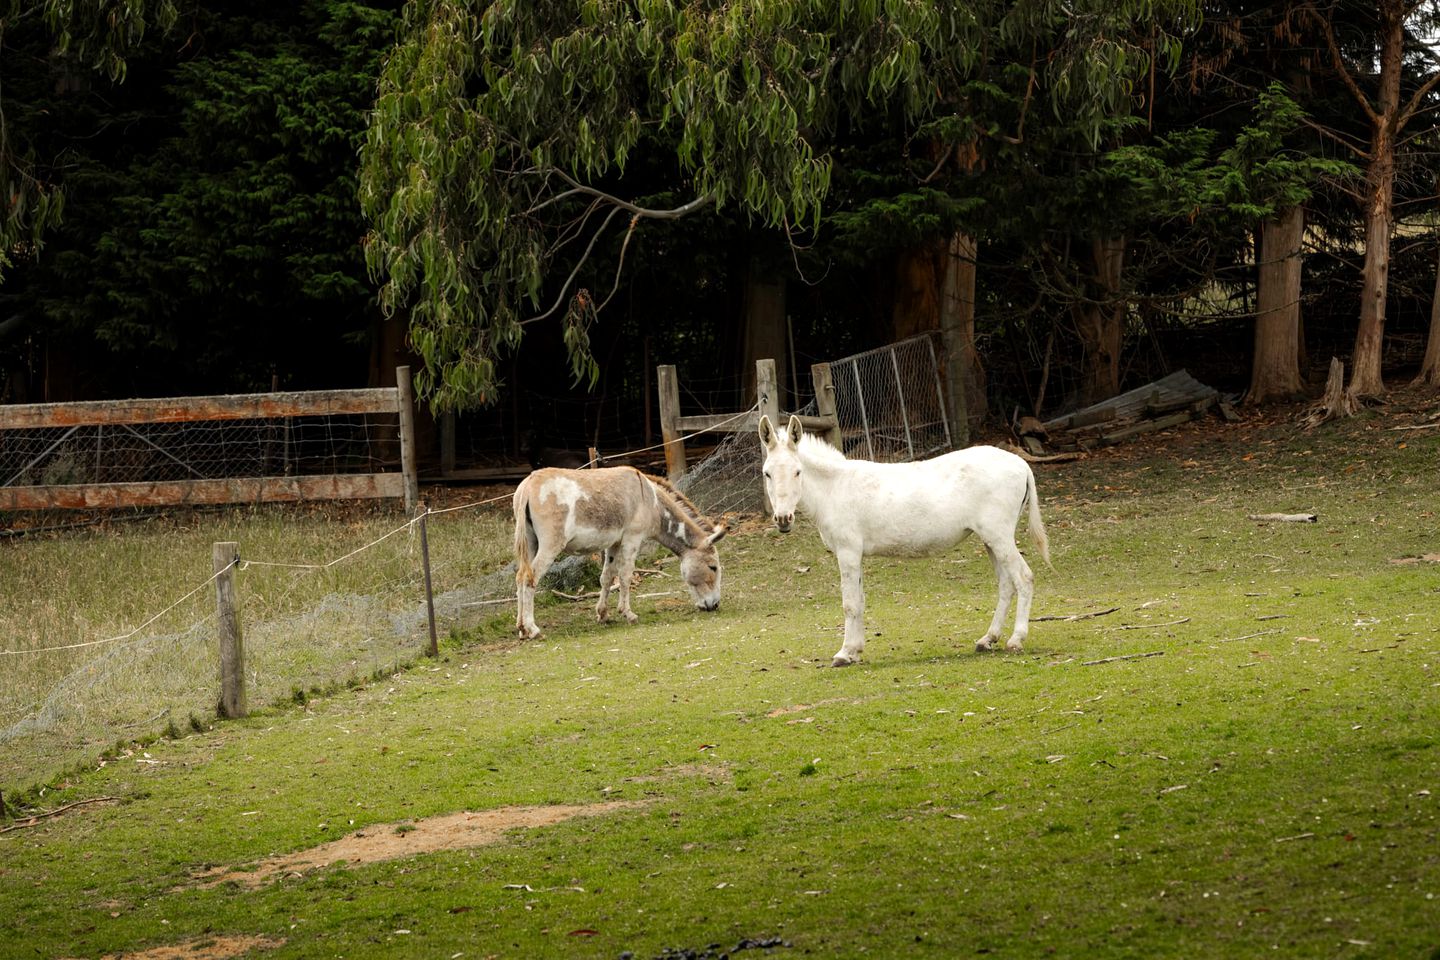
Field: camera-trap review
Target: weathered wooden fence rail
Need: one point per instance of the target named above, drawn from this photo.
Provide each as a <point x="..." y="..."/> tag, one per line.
<point x="44" y="441"/>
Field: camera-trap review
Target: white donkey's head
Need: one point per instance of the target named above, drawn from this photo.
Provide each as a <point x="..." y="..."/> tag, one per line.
<point x="784" y="476"/>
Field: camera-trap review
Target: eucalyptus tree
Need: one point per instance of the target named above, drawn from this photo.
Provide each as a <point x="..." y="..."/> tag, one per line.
<point x="499" y="147"/>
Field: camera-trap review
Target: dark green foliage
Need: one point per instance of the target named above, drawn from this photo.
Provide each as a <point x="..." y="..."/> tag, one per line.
<point x="213" y="236"/>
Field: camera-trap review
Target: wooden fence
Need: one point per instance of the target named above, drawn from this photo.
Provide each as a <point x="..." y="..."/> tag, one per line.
<point x="674" y="427"/>
<point x="67" y="418"/>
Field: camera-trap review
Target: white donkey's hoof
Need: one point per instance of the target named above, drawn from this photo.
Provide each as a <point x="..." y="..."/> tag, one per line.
<point x="631" y="618"/>
<point x="842" y="661"/>
<point x="1013" y="646"/>
<point x="984" y="643"/>
<point x="529" y="633"/>
<point x="602" y="615"/>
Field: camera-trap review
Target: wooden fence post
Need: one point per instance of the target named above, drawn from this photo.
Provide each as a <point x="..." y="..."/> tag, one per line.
<point x="766" y="393"/>
<point x="669" y="388"/>
<point x="406" y="399"/>
<point x="769" y="401"/>
<point x="227" y="617"/>
<point x="825" y="401"/>
<point x="433" y="650"/>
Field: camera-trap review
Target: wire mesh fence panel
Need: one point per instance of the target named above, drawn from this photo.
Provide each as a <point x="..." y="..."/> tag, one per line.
<point x="159" y="452"/>
<point x="889" y="402"/>
<point x="322" y="444"/>
<point x="889" y="406"/>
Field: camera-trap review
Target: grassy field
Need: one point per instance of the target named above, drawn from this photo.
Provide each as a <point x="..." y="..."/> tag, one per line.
<point x="79" y="594"/>
<point x="1258" y="778"/>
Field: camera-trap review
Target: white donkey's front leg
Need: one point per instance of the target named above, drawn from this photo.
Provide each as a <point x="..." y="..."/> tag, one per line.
<point x="852" y="597"/>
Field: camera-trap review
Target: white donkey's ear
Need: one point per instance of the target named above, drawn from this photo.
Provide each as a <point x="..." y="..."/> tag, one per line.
<point x="767" y="432"/>
<point x="794" y="429"/>
<point x="719" y="534"/>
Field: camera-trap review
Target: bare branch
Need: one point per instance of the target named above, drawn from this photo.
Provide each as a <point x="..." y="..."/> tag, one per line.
<point x="1325" y="131"/>
<point x="1339" y="63"/>
<point x="559" y="300"/>
<point x="1413" y="106"/>
<point x="648" y="213"/>
<point x="619" y="267"/>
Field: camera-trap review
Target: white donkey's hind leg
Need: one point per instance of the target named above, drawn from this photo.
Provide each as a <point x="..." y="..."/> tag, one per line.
<point x="1016" y="582"/>
<point x="852" y="596"/>
<point x="1025" y="592"/>
<point x="1006" y="588"/>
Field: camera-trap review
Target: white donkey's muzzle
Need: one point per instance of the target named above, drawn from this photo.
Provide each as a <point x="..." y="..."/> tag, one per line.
<point x="783" y="521"/>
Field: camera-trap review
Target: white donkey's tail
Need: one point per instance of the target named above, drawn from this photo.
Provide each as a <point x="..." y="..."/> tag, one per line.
<point x="1037" y="526"/>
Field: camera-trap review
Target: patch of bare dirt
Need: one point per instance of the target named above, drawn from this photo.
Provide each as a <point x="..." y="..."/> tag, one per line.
<point x="391" y="841"/>
<point x="801" y="707"/>
<point x="205" y="948"/>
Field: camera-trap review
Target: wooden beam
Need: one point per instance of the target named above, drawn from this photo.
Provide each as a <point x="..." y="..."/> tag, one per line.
<point x="729" y="423"/>
<point x="247" y="406"/>
<point x="92" y="496"/>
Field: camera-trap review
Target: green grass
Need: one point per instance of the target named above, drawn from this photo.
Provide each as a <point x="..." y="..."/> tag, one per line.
<point x="1229" y="797"/>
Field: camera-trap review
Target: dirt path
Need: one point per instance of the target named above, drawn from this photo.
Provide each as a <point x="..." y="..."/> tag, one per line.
<point x="391" y="841"/>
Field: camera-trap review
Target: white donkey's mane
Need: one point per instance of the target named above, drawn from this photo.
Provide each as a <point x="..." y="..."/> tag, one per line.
<point x="817" y="450"/>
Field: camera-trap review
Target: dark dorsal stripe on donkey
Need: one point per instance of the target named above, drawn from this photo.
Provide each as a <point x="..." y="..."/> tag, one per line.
<point x="613" y="510"/>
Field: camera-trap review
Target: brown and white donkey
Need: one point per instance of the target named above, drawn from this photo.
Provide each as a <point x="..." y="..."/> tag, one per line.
<point x="613" y="510"/>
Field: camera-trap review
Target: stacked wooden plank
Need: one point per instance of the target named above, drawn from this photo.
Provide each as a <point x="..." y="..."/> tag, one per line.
<point x="1165" y="403"/>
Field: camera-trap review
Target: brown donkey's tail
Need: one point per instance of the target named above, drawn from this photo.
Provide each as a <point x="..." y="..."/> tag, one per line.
<point x="524" y="574"/>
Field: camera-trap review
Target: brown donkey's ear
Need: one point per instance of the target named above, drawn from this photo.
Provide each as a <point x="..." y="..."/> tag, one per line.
<point x="794" y="429"/>
<point x="767" y="432"/>
<point x="718" y="535"/>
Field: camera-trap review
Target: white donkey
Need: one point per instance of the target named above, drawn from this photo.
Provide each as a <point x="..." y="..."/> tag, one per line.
<point x="906" y="509"/>
<point x="614" y="510"/>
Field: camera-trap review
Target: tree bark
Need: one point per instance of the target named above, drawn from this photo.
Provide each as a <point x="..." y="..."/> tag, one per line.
<point x="919" y="276"/>
<point x="1429" y="375"/>
<point x="765" y="331"/>
<point x="964" y="376"/>
<point x="1365" y="362"/>
<point x="1275" y="367"/>
<point x="1101" y="323"/>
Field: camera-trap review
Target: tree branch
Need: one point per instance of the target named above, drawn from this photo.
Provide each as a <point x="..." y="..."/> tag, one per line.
<point x="1327" y="132"/>
<point x="648" y="213"/>
<point x="1339" y="61"/>
<point x="1413" y="106"/>
<point x="578" y="264"/>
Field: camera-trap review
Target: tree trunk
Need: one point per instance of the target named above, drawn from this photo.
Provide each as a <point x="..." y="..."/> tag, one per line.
<point x="964" y="376"/>
<point x="919" y="275"/>
<point x="1275" y="368"/>
<point x="1429" y="375"/>
<point x="1365" y="363"/>
<point x="765" y="331"/>
<point x="1101" y="323"/>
